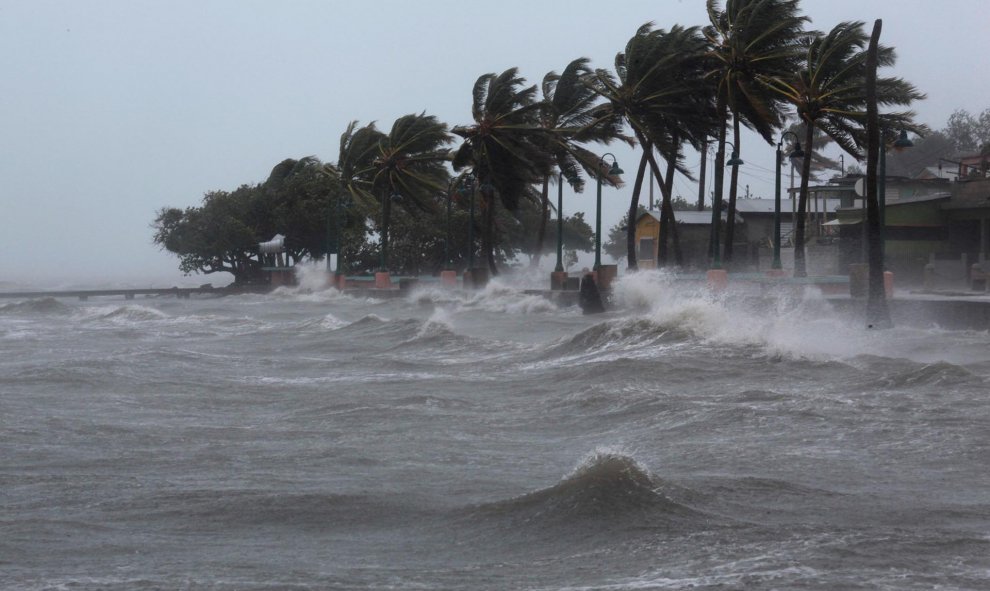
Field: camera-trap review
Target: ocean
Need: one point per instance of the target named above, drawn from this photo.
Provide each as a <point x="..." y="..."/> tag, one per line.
<point x="489" y="440"/>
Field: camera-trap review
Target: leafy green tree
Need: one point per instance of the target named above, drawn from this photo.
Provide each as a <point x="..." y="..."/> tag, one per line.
<point x="828" y="92"/>
<point x="505" y="147"/>
<point x="215" y="237"/>
<point x="297" y="201"/>
<point x="969" y="134"/>
<point x="417" y="242"/>
<point x="614" y="244"/>
<point x="222" y="234"/>
<point x="750" y="40"/>
<point x="577" y="234"/>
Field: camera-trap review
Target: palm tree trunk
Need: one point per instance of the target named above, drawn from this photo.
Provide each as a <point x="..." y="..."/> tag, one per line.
<point x="667" y="224"/>
<point x="717" y="190"/>
<point x="672" y="221"/>
<point x="633" y="209"/>
<point x="877" y="313"/>
<point x="541" y="232"/>
<point x="386" y="214"/>
<point x="488" y="236"/>
<point x="666" y="210"/>
<point x="800" y="261"/>
<point x="730" y="222"/>
<point x="701" y="175"/>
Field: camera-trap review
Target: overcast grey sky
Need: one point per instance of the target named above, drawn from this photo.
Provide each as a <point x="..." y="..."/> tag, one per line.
<point x="112" y="109"/>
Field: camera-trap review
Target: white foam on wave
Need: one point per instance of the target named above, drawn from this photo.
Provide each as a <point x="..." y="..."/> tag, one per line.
<point x="430" y="295"/>
<point x="126" y="314"/>
<point x="331" y="322"/>
<point x="659" y="298"/>
<point x="603" y="454"/>
<point x="792" y="325"/>
<point x="312" y="285"/>
<point x="438" y="323"/>
<point x="498" y="296"/>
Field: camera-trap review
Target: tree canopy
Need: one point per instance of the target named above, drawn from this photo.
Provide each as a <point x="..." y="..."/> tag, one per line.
<point x="752" y="64"/>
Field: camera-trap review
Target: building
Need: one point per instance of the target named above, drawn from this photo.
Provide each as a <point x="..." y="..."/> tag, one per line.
<point x="932" y="223"/>
<point x="693" y="232"/>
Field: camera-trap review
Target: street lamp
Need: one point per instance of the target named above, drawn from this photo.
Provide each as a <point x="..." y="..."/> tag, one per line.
<point x="795" y="154"/>
<point x="395" y="197"/>
<point x="573" y="181"/>
<point x="467" y="189"/>
<point x="613" y="171"/>
<point x="334" y="216"/>
<point x="446" y="241"/>
<point x="734" y="160"/>
<point x="901" y="143"/>
<point x="342" y="203"/>
<point x="331" y="247"/>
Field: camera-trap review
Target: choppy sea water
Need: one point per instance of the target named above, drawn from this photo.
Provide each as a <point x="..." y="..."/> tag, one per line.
<point x="311" y="440"/>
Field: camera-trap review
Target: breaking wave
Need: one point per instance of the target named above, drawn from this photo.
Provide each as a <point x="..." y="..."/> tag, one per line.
<point x="607" y="486"/>
<point x="496" y="296"/>
<point x="126" y="314"/>
<point x="39" y="306"/>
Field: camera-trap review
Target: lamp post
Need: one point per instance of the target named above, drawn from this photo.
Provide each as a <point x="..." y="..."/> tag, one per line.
<point x="613" y="171"/>
<point x="560" y="218"/>
<point x="466" y="189"/>
<point x="446" y="240"/>
<point x="334" y="215"/>
<point x="330" y="237"/>
<point x="902" y="142"/>
<point x="560" y="224"/>
<point x="734" y="160"/>
<point x="796" y="153"/>
<point x="387" y="200"/>
<point x="336" y="242"/>
<point x="471" y="189"/>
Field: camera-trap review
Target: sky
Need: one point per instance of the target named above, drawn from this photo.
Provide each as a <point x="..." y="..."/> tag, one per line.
<point x="113" y="109"/>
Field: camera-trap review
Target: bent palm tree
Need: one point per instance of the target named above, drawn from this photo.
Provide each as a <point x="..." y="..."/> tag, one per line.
<point x="828" y="92"/>
<point x="505" y="147"/>
<point x="568" y="114"/>
<point x="657" y="90"/>
<point x="410" y="168"/>
<point x="750" y="40"/>
<point x="358" y="150"/>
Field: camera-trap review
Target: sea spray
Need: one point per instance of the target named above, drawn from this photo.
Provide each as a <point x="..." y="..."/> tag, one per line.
<point x="775" y="324"/>
<point x="439" y="323"/>
<point x="498" y="296"/>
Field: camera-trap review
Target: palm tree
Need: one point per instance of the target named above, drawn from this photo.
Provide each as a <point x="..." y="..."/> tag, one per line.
<point x="355" y="160"/>
<point x="828" y="92"/>
<point x="657" y="90"/>
<point x="410" y="168"/>
<point x="505" y="147"/>
<point x="685" y="106"/>
<point x="750" y="40"/>
<point x="405" y="166"/>
<point x="569" y="114"/>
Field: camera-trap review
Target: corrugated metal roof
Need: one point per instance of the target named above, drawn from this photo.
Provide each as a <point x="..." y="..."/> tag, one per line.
<point x="693" y="217"/>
